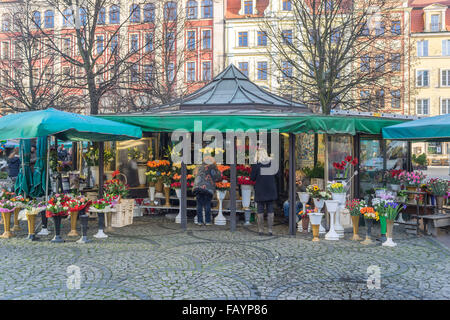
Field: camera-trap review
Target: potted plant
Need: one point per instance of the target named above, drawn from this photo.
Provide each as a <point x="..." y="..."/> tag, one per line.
<point x="401" y="196"/>
<point x="354" y="208"/>
<point x="318" y="195"/>
<point x="221" y="190"/>
<point x="101" y="206"/>
<point x="315" y="174"/>
<point x="56" y="209"/>
<point x="390" y="212"/>
<point x="394" y="179"/>
<point x="91" y="157"/>
<point x="369" y="215"/>
<point x="412" y="181"/>
<point x="343" y="167"/>
<point x="304" y="219"/>
<point x="420" y="162"/>
<point x="439" y="189"/>
<point x="152" y="178"/>
<point x="134" y="156"/>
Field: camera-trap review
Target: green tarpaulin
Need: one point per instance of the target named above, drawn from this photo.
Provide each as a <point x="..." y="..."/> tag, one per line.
<point x="24" y="179"/>
<point x="288" y="123"/>
<point x="427" y="129"/>
<point x="40" y="167"/>
<point x="65" y="126"/>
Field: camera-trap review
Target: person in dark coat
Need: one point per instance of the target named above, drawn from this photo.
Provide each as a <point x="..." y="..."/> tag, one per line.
<point x="265" y="190"/>
<point x="206" y="177"/>
<point x="14" y="164"/>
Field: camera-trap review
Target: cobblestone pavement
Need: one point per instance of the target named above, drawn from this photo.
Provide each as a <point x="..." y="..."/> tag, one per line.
<point x="154" y="259"/>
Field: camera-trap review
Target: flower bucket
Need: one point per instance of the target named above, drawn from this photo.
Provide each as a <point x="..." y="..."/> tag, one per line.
<point x="305" y="223"/>
<point x="141" y="174"/>
<point x="389" y="232"/>
<point x="319" y="203"/>
<point x="95" y="174"/>
<point x="167" y="195"/>
<point x="332" y="205"/>
<point x="151" y="193"/>
<point x="246" y="191"/>
<point x="339" y="197"/>
<point x="355" y="223"/>
<point x="439" y="204"/>
<point x="315" y="218"/>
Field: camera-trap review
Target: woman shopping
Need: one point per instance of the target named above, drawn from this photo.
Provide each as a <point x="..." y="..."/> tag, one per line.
<point x="265" y="189"/>
<point x="206" y="177"/>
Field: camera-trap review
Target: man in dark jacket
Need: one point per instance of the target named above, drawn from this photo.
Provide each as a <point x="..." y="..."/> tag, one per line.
<point x="206" y="177"/>
<point x="14" y="164"/>
<point x="265" y="190"/>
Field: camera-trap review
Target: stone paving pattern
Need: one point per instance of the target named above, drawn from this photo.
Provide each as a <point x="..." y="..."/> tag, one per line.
<point x="155" y="259"/>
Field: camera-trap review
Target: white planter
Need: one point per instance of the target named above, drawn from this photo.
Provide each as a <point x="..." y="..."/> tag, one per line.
<point x="319" y="204"/>
<point x="151" y="194"/>
<point x="178" y="217"/>
<point x="315" y="217"/>
<point x="246" y="191"/>
<point x="339" y="197"/>
<point x="303" y="196"/>
<point x="141" y="173"/>
<point x="220" y="219"/>
<point x="332" y="205"/>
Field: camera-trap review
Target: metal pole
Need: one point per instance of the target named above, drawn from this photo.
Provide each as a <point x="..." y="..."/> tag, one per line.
<point x="23" y="165"/>
<point x="183" y="199"/>
<point x="101" y="148"/>
<point x="233" y="190"/>
<point x="292" y="202"/>
<point x="47" y="171"/>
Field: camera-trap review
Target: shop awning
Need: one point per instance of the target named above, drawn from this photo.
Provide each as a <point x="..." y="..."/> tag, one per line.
<point x="65" y="126"/>
<point x="427" y="129"/>
<point x="233" y="120"/>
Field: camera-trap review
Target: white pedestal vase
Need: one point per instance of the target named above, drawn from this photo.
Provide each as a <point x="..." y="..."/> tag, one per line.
<point x="315" y="219"/>
<point x="246" y="191"/>
<point x="220" y="219"/>
<point x="319" y="203"/>
<point x="178" y="217"/>
<point x="304" y="198"/>
<point x="332" y="207"/>
<point x="100" y="234"/>
<point x="95" y="174"/>
<point x="151" y="194"/>
<point x="141" y="174"/>
<point x="340" y="197"/>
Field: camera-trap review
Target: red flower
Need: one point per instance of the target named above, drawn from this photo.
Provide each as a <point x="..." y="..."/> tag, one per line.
<point x="343" y="163"/>
<point x="355" y="161"/>
<point x="348" y="158"/>
<point x="115" y="173"/>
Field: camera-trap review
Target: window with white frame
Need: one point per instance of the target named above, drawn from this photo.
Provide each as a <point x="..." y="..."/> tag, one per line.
<point x="446" y="47"/>
<point x="445" y="106"/>
<point x="422" y="78"/>
<point x="423" y="106"/>
<point x="395" y="99"/>
<point x="445" y="78"/>
<point x="206" y="71"/>
<point x="191" y="71"/>
<point x="422" y="48"/>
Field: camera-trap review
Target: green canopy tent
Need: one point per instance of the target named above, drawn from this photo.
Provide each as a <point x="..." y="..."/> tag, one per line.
<point x="427" y="129"/>
<point x="24" y="179"/>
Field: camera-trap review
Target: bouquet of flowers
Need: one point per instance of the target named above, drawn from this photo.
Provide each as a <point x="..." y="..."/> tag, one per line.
<point x="354" y="206"/>
<point x="225" y="171"/>
<point x="34" y="206"/>
<point x="394" y="176"/>
<point x="370" y="213"/>
<point x="336" y="187"/>
<point x="413" y="178"/>
<point x="20" y="201"/>
<point x="243" y="170"/>
<point x="7" y="205"/>
<point x="159" y="165"/>
<point x="57" y="206"/>
<point x="112" y="199"/>
<point x="242" y="180"/>
<point x="177" y="185"/>
<point x="135" y="154"/>
<point x="304" y="213"/>
<point x="6" y="195"/>
<point x="343" y="167"/>
<point x="78" y="203"/>
<point x="222" y="186"/>
<point x="391" y="209"/>
<point x="315" y="192"/>
<point x="101" y="204"/>
<point x="438" y="187"/>
<point x="116" y="187"/>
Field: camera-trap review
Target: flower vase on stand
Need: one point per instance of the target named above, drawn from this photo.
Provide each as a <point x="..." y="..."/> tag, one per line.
<point x="439" y="204"/>
<point x="178" y="217"/>
<point x="16" y="226"/>
<point x="315" y="218"/>
<point x="332" y="207"/>
<point x="6" y="216"/>
<point x="73" y="224"/>
<point x="340" y="197"/>
<point x="246" y="190"/>
<point x="382" y="229"/>
<point x="151" y="192"/>
<point x="167" y="195"/>
<point x="84" y="226"/>
<point x="319" y="203"/>
<point x="31" y="217"/>
<point x="355" y="223"/>
<point x="389" y="232"/>
<point x="44" y="231"/>
<point x="101" y="222"/>
<point x="57" y="238"/>
<point x="220" y="219"/>
<point x="304" y="198"/>
<point x="368" y="240"/>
